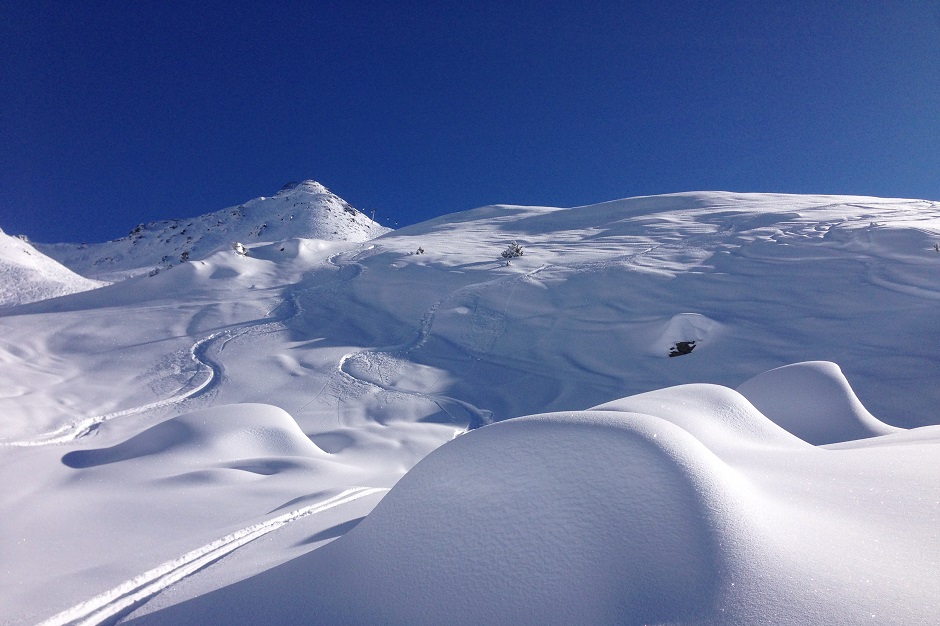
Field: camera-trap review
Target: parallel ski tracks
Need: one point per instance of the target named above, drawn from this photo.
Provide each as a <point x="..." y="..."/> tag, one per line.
<point x="127" y="596"/>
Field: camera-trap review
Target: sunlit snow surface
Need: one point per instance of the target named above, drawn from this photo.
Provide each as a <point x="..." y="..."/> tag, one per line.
<point x="306" y="209"/>
<point x="180" y="448"/>
<point x="27" y="275"/>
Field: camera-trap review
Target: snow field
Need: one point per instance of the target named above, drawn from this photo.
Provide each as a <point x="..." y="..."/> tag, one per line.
<point x="28" y="275"/>
<point x="614" y="516"/>
<point x="231" y="390"/>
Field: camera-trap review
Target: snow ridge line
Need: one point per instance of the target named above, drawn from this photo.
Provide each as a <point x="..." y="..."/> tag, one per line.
<point x="198" y="352"/>
<point x="128" y="594"/>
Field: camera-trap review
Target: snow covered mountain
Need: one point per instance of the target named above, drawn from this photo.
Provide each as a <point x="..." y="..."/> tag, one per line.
<point x="308" y="210"/>
<point x="28" y="275"/>
<point x="693" y="408"/>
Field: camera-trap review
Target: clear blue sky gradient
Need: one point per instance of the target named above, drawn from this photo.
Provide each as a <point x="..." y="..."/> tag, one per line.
<point x="115" y="113"/>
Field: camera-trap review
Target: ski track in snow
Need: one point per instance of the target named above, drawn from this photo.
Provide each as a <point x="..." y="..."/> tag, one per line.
<point x="387" y="368"/>
<point x="477" y="417"/>
<point x="210" y="370"/>
<point x="120" y="600"/>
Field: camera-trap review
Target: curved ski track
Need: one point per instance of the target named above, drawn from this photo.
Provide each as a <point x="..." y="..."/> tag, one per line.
<point x="198" y="352"/>
<point x="477" y="417"/>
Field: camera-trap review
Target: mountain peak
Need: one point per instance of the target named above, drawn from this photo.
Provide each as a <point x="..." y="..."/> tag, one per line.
<point x="306" y="186"/>
<point x="304" y="209"/>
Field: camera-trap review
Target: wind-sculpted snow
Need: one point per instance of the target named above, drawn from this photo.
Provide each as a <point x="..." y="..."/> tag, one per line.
<point x="222" y="434"/>
<point x="718" y="417"/>
<point x="815" y="402"/>
<point x="728" y="464"/>
<point x="562" y="518"/>
<point x="700" y="511"/>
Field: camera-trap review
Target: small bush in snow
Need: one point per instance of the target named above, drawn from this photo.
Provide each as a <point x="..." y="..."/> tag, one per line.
<point x="514" y="250"/>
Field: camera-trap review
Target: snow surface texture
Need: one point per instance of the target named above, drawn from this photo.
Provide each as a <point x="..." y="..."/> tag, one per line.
<point x="215" y="443"/>
<point x="27" y="275"/>
<point x="703" y="511"/>
<point x="306" y="209"/>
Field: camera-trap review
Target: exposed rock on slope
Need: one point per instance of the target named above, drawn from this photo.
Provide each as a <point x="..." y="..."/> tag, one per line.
<point x="306" y="210"/>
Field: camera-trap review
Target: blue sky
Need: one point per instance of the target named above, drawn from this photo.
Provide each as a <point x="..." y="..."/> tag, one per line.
<point x="116" y="113"/>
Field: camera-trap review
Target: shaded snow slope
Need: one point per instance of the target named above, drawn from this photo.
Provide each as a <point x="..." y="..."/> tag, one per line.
<point x="813" y="401"/>
<point x="246" y="434"/>
<point x="306" y="209"/>
<point x="621" y="517"/>
<point x="605" y="293"/>
<point x="180" y="417"/>
<point x="28" y="275"/>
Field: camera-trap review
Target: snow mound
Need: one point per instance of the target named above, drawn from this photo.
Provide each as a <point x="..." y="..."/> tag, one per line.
<point x="617" y="517"/>
<point x="218" y="437"/>
<point x="27" y="275"/>
<point x="383" y="354"/>
<point x="560" y="518"/>
<point x="732" y="421"/>
<point x="691" y="329"/>
<point x="814" y="401"/>
<point x="299" y="210"/>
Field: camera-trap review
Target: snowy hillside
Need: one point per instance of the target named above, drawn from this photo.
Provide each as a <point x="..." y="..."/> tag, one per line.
<point x="27" y="275"/>
<point x="694" y="408"/>
<point x="306" y="209"/>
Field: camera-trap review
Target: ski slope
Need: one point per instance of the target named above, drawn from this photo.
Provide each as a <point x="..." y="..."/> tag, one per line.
<point x="496" y="441"/>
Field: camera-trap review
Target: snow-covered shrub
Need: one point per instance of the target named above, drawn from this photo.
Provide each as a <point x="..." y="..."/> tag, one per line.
<point x="514" y="250"/>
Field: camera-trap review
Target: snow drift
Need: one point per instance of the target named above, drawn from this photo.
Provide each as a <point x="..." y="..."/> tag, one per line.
<point x="221" y="433"/>
<point x="619" y="517"/>
<point x="815" y="402"/>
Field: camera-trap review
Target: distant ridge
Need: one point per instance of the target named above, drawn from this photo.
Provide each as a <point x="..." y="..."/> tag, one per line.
<point x="304" y="209"/>
<point x="28" y="275"/>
